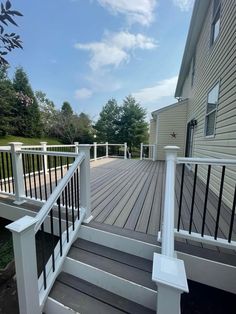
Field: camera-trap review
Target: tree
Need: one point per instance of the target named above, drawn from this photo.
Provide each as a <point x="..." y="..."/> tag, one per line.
<point x="107" y="126"/>
<point x="8" y="42"/>
<point x="85" y="129"/>
<point x="27" y="115"/>
<point x="66" y="109"/>
<point x="7" y="102"/>
<point x="133" y="127"/>
<point x="48" y="113"/>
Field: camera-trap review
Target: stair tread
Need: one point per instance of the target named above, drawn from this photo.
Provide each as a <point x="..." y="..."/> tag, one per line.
<point x="135" y="261"/>
<point x="86" y="298"/>
<point x="129" y="267"/>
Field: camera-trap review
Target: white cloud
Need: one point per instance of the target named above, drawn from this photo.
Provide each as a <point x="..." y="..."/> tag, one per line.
<point x="83" y="93"/>
<point x="164" y="88"/>
<point x="115" y="48"/>
<point x="184" y="5"/>
<point x="135" y="11"/>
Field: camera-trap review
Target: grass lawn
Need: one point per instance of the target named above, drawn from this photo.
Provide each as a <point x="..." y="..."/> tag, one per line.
<point x="27" y="141"/>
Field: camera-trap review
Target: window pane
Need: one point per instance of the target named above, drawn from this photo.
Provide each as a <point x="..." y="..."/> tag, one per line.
<point x="210" y="123"/>
<point x="213" y="98"/>
<point x="216" y="29"/>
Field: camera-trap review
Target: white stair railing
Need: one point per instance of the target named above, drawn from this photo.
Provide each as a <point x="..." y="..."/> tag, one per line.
<point x="66" y="208"/>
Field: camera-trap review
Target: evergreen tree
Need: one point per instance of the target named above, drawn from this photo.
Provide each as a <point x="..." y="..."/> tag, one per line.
<point x="107" y="126"/>
<point x="133" y="127"/>
<point x="85" y="129"/>
<point x="27" y="115"/>
<point x="7" y="102"/>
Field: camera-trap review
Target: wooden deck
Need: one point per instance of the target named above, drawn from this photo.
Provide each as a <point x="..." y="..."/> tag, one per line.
<point x="127" y="197"/>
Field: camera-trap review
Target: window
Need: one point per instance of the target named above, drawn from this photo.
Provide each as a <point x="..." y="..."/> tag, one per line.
<point x="193" y="70"/>
<point x="215" y="27"/>
<point x="212" y="101"/>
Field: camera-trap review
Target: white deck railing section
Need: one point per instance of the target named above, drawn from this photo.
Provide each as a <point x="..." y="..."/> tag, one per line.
<point x="75" y="185"/>
<point x="148" y="152"/>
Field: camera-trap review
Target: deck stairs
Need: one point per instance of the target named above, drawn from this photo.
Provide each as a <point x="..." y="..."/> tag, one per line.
<point x="98" y="278"/>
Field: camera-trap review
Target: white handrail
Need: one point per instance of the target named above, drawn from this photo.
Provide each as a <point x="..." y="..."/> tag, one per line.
<point x="48" y="153"/>
<point x="206" y="161"/>
<point x="44" y="211"/>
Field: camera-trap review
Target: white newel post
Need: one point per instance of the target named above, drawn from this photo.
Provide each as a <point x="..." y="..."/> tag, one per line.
<point x="141" y="151"/>
<point x="17" y="169"/>
<point x="168" y="271"/>
<point x="45" y="158"/>
<point x="76" y="147"/>
<point x="95" y="150"/>
<point x="106" y="149"/>
<point x="167" y="247"/>
<point x="85" y="193"/>
<point x="26" y="265"/>
<point x="125" y="150"/>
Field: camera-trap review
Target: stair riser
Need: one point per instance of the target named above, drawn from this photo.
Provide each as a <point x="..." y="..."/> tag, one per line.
<point x="122" y="287"/>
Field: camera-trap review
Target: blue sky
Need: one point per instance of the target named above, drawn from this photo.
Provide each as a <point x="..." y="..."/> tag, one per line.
<point x="88" y="51"/>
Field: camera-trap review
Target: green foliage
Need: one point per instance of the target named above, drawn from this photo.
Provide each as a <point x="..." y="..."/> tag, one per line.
<point x="124" y="123"/>
<point x="133" y="127"/>
<point x="8" y="41"/>
<point x="85" y="131"/>
<point x="26" y="108"/>
<point x="6" y="253"/>
<point x="4" y="140"/>
<point x="107" y="126"/>
<point x="48" y="113"/>
<point x="66" y="109"/>
<point x="7" y="101"/>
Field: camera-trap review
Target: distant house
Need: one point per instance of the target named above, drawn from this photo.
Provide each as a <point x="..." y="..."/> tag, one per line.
<point x="207" y="84"/>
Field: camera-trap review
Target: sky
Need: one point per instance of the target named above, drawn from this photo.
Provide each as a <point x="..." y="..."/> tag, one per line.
<point x="88" y="51"/>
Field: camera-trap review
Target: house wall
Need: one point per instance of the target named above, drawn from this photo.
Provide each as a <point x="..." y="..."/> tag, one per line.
<point x="152" y="132"/>
<point x="214" y="64"/>
<point x="171" y="120"/>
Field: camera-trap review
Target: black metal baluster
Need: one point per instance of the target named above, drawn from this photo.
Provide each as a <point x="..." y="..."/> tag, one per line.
<point x="52" y="237"/>
<point x="45" y="180"/>
<point x="67" y="162"/>
<point x="67" y="219"/>
<point x="232" y="217"/>
<point x="63" y="197"/>
<point x="8" y="172"/>
<point x="29" y="176"/>
<point x="193" y="199"/>
<point x="59" y="221"/>
<point x="4" y="173"/>
<point x="1" y="173"/>
<point x="35" y="186"/>
<point x="219" y="202"/>
<point x="12" y="180"/>
<point x="181" y="197"/>
<point x="50" y="174"/>
<point x="39" y="175"/>
<point x="72" y="203"/>
<point x="69" y="199"/>
<point x="24" y="173"/>
<point x="43" y="257"/>
<point x="55" y="169"/>
<point x="206" y="199"/>
<point x="77" y="192"/>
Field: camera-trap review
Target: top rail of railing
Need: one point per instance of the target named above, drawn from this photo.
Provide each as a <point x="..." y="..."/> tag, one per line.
<point x="206" y="161"/>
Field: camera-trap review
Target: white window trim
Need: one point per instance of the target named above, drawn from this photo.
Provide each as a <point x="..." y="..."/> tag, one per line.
<point x="218" y="9"/>
<point x="214" y="110"/>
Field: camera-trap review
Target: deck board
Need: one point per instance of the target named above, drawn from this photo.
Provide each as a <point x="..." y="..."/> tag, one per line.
<point x="129" y="194"/>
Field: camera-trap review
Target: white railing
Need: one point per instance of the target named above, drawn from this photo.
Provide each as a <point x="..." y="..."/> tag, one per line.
<point x="67" y="196"/>
<point x="171" y="280"/>
<point x="148" y="152"/>
<point x="107" y="150"/>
